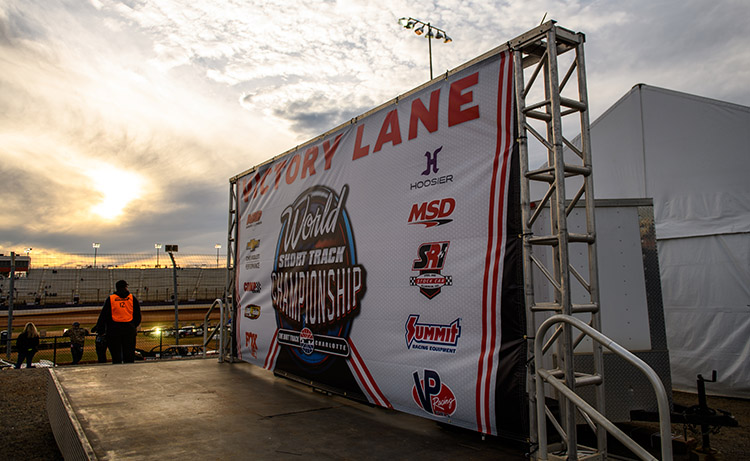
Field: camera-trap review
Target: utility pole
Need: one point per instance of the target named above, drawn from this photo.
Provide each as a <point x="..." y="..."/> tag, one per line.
<point x="10" y="300"/>
<point x="172" y="249"/>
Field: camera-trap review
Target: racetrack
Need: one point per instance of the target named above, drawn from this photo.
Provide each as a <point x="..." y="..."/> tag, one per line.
<point x="87" y="316"/>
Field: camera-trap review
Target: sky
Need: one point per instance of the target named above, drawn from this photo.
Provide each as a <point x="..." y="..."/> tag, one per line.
<point x="121" y="122"/>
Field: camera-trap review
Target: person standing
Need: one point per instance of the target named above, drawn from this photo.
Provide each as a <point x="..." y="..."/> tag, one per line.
<point x="101" y="344"/>
<point x="120" y="317"/>
<point x="77" y="337"/>
<point x="27" y="344"/>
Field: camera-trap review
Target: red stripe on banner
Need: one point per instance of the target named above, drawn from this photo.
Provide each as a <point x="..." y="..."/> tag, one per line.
<point x="272" y="352"/>
<point x="495" y="248"/>
<point x="371" y="387"/>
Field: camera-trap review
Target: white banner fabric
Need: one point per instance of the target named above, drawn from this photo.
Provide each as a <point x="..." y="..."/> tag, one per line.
<point x="370" y="259"/>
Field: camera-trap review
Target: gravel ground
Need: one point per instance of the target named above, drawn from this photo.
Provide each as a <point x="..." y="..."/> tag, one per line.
<point x="25" y="432"/>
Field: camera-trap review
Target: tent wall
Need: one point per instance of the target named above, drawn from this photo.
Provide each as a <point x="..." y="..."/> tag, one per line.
<point x="691" y="155"/>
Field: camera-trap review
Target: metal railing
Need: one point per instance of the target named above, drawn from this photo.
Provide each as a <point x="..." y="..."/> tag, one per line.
<point x="221" y="329"/>
<point x="589" y="412"/>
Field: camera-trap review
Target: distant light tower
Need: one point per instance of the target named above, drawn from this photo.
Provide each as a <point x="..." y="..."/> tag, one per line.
<point x="27" y="250"/>
<point x="157" y="246"/>
<point x="218" y="247"/>
<point x="96" y="247"/>
<point x="411" y="23"/>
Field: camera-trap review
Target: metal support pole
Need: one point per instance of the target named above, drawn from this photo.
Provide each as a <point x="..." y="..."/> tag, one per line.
<point x="10" y="300"/>
<point x="176" y="303"/>
<point x="429" y="45"/>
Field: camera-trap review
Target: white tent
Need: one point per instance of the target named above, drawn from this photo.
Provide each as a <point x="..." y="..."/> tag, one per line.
<point x="692" y="156"/>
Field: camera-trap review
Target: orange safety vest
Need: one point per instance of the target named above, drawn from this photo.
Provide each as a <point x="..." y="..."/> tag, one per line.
<point x="122" y="308"/>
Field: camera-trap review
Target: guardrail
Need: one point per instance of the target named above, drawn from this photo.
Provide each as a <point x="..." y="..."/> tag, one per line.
<point x="221" y="328"/>
<point x="661" y="395"/>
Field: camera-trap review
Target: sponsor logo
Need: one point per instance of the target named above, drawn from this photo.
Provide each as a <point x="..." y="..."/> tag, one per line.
<point x="432" y="337"/>
<point x="253" y="219"/>
<point x="252" y="287"/>
<point x="317" y="285"/>
<point x="252" y="311"/>
<point x="430" y="265"/>
<point x="433" y="213"/>
<point x="252" y="245"/>
<point x="251" y="341"/>
<point x="432" y="167"/>
<point x="431" y="161"/>
<point x="308" y="342"/>
<point x="252" y="265"/>
<point x="431" y="395"/>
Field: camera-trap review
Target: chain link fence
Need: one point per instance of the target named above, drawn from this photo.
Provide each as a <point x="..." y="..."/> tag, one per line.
<point x="151" y="344"/>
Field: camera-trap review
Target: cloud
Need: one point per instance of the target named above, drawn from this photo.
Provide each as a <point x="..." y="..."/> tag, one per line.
<point x="182" y="95"/>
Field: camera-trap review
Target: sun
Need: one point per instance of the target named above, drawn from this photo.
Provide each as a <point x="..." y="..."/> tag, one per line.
<point x="117" y="187"/>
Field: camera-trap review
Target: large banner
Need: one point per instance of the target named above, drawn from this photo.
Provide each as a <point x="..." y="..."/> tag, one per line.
<point x="371" y="260"/>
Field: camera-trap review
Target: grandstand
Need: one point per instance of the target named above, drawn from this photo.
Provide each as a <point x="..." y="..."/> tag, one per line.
<point x="52" y="286"/>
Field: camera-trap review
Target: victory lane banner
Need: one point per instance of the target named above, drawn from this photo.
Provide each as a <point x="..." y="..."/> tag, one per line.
<point x="373" y="260"/>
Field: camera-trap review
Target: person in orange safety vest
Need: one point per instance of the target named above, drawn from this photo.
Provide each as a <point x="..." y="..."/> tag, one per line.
<point x="120" y="317"/>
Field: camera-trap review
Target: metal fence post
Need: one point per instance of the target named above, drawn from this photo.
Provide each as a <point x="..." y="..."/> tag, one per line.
<point x="54" y="352"/>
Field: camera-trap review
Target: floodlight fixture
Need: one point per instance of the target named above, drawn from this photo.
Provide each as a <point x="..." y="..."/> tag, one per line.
<point x="96" y="247"/>
<point x="432" y="32"/>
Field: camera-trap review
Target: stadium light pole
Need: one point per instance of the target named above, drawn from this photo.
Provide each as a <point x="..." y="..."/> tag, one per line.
<point x="432" y="32"/>
<point x="96" y="247"/>
<point x="12" y="275"/>
<point x="157" y="246"/>
<point x="173" y="249"/>
<point x="218" y="247"/>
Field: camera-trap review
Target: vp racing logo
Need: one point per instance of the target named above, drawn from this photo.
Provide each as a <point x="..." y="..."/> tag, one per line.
<point x="317" y="284"/>
<point x="429" y="264"/>
<point x="432" y="395"/>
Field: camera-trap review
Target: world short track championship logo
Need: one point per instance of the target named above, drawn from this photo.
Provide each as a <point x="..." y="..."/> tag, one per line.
<point x="317" y="284"/>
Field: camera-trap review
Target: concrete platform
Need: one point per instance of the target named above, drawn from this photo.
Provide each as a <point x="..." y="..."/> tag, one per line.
<point x="210" y="410"/>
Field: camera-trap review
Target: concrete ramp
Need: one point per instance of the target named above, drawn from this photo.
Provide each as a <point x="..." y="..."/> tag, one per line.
<point x="210" y="410"/>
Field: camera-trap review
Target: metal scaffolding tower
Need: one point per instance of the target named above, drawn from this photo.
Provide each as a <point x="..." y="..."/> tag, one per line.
<point x="541" y="110"/>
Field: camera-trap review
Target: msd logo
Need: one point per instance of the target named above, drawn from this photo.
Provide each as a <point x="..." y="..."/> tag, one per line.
<point x="434" y="213"/>
<point x="432" y="395"/>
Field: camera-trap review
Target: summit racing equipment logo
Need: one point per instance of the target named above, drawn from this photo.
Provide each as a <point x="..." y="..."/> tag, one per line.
<point x="432" y="395"/>
<point x="429" y="265"/>
<point x="433" y="337"/>
<point x="434" y="213"/>
<point x="317" y="285"/>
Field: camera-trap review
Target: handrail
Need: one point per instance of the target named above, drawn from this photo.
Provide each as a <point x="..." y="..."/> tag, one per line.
<point x="206" y="337"/>
<point x="661" y="395"/>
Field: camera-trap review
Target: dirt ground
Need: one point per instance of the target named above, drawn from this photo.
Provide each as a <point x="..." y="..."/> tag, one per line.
<point x="26" y="434"/>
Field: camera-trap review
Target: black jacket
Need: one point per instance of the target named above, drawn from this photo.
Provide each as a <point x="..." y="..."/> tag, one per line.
<point x="107" y="324"/>
<point x="26" y="344"/>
